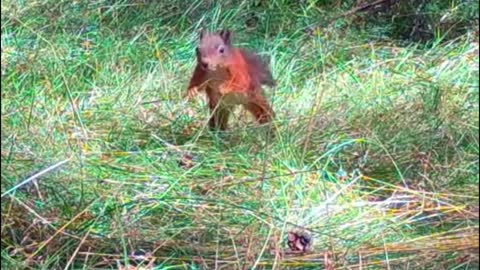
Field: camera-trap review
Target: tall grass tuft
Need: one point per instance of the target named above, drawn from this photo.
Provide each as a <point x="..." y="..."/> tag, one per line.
<point x="375" y="153"/>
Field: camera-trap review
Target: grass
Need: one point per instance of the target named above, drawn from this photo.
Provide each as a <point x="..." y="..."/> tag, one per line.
<point x="375" y="152"/>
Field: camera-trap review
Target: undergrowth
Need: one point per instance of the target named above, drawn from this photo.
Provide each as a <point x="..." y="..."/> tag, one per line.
<point x="374" y="153"/>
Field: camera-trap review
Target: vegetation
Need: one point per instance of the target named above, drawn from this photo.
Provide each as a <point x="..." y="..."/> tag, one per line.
<point x="374" y="153"/>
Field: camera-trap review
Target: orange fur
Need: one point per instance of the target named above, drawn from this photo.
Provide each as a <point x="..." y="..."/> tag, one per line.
<point x="236" y="80"/>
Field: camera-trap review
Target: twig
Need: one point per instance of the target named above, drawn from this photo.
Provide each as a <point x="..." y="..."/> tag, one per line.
<point x="35" y="176"/>
<point x="77" y="250"/>
<point x="367" y="6"/>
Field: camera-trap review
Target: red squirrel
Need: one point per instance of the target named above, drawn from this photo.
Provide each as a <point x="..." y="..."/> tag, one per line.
<point x="230" y="76"/>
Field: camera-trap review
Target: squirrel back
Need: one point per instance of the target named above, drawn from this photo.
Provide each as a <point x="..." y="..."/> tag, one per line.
<point x="215" y="50"/>
<point x="258" y="68"/>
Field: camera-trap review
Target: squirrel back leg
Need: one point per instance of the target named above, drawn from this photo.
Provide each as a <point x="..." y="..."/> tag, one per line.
<point x="260" y="109"/>
<point x="219" y="113"/>
<point x="222" y="116"/>
<point x="218" y="117"/>
<point x="212" y="105"/>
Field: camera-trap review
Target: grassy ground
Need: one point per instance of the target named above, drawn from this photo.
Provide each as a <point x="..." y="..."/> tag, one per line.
<point x="375" y="152"/>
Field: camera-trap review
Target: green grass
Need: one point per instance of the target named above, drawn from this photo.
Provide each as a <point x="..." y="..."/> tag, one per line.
<point x="359" y="122"/>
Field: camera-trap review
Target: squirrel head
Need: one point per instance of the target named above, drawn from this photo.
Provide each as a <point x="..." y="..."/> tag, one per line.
<point x="213" y="49"/>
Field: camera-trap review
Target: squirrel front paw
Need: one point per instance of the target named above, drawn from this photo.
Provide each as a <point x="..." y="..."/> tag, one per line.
<point x="190" y="93"/>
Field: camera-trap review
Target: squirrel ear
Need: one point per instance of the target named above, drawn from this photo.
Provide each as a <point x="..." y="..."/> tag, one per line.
<point x="226" y="35"/>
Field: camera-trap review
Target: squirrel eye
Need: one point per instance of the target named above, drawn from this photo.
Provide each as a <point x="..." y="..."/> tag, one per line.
<point x="221" y="50"/>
